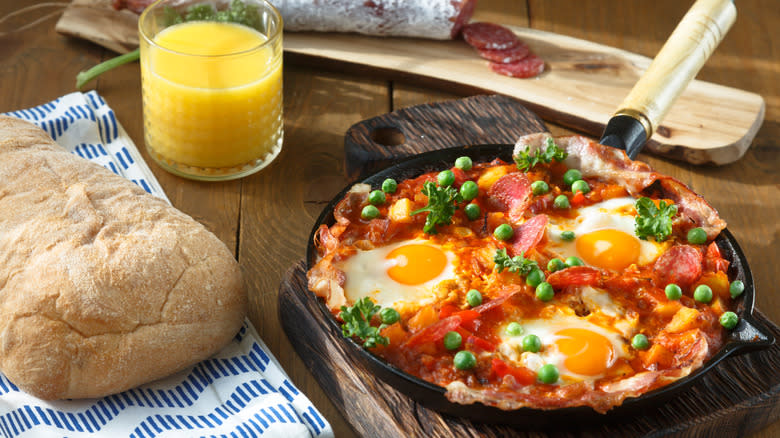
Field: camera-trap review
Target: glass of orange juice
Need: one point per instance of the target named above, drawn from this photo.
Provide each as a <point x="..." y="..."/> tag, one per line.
<point x="211" y="75"/>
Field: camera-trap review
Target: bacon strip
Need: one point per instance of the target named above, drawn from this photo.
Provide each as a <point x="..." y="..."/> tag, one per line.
<point x="610" y="164"/>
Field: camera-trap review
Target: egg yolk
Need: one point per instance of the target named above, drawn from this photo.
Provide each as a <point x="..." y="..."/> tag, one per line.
<point x="416" y="264"/>
<point x="608" y="249"/>
<point x="587" y="352"/>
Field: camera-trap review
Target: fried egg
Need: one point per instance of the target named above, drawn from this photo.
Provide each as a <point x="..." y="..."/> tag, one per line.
<point x="604" y="236"/>
<point x="399" y="275"/>
<point x="580" y="349"/>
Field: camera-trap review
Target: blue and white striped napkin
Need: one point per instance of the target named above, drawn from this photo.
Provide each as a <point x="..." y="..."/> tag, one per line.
<point x="240" y="392"/>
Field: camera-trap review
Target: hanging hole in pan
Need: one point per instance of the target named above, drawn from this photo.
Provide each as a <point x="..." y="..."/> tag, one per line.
<point x="388" y="136"/>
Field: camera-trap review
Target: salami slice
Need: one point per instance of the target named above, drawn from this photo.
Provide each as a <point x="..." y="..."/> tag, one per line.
<point x="511" y="192"/>
<point x="506" y="56"/>
<point x="528" y="67"/>
<point x="529" y="234"/>
<point x="491" y="36"/>
<point x="680" y="265"/>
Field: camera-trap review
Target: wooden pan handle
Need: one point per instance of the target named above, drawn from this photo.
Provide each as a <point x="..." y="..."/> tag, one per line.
<point x="679" y="60"/>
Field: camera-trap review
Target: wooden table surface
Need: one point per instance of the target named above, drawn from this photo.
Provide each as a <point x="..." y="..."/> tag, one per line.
<point x="266" y="218"/>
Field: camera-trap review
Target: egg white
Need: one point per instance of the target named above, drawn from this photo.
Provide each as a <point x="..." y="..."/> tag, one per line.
<point x="546" y="329"/>
<point x="616" y="213"/>
<point x="366" y="275"/>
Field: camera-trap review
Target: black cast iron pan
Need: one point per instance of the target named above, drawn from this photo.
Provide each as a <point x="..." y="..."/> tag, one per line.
<point x="633" y="124"/>
<point x="748" y="335"/>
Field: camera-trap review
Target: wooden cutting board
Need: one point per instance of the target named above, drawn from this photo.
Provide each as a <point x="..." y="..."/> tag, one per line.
<point x="583" y="84"/>
<point x="738" y="396"/>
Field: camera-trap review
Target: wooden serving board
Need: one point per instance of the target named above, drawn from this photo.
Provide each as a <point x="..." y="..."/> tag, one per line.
<point x="583" y="84"/>
<point x="740" y="395"/>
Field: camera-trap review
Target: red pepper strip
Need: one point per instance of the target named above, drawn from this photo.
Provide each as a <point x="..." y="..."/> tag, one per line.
<point x="493" y="303"/>
<point x="523" y="375"/>
<point x="447" y="310"/>
<point x="577" y="200"/>
<point x="469" y="319"/>
<point x="435" y="332"/>
<point x="475" y="343"/>
<point x="713" y="261"/>
<point x="575" y="276"/>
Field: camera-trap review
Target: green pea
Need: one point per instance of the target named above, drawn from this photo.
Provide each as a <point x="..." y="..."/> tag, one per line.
<point x="539" y="187"/>
<point x="640" y="342"/>
<point x="472" y="211"/>
<point x="573" y="261"/>
<point x="463" y="163"/>
<point x="673" y="292"/>
<point x="697" y="236"/>
<point x="452" y="340"/>
<point x="568" y="236"/>
<point x="388" y="315"/>
<point x="389" y="185"/>
<point x="474" y="298"/>
<point x="702" y="294"/>
<point x="377" y="197"/>
<point x="571" y="175"/>
<point x="736" y="288"/>
<point x="469" y="190"/>
<point x="534" y="278"/>
<point x="555" y="265"/>
<point x="548" y="374"/>
<point x="729" y="320"/>
<point x="561" y="201"/>
<point x="464" y="360"/>
<point x="369" y="212"/>
<point x="544" y="291"/>
<point x="514" y="329"/>
<point x="580" y="186"/>
<point x="503" y="232"/>
<point x="532" y="343"/>
<point x="446" y="178"/>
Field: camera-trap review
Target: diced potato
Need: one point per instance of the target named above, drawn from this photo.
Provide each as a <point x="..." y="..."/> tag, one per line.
<point x="424" y="317"/>
<point x="657" y="357"/>
<point x="490" y="176"/>
<point x="667" y="309"/>
<point x="399" y="211"/>
<point x="463" y="231"/>
<point x="718" y="282"/>
<point x="395" y="333"/>
<point x="685" y="319"/>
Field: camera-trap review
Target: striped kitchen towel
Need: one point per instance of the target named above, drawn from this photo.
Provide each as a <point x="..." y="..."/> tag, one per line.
<point x="240" y="392"/>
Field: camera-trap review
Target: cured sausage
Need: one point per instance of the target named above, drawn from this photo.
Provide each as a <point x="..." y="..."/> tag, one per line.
<point x="575" y="276"/>
<point x="436" y="19"/>
<point x="511" y="192"/>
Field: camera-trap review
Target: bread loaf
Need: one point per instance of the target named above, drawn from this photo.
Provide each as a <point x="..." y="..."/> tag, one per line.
<point x="102" y="286"/>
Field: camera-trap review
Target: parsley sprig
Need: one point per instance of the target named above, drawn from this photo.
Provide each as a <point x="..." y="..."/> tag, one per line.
<point x="442" y="203"/>
<point x="518" y="263"/>
<point x="357" y="322"/>
<point x="526" y="161"/>
<point x="652" y="220"/>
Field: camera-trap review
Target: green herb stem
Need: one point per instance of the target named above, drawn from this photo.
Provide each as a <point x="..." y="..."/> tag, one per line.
<point x="86" y="76"/>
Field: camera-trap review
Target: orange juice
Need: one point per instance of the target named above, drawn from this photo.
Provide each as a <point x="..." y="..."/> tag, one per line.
<point x="212" y="95"/>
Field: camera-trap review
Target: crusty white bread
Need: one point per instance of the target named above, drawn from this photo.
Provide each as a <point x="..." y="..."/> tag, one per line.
<point x="102" y="286"/>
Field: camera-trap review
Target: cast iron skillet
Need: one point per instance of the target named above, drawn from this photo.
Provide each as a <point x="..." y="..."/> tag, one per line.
<point x="748" y="335"/>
